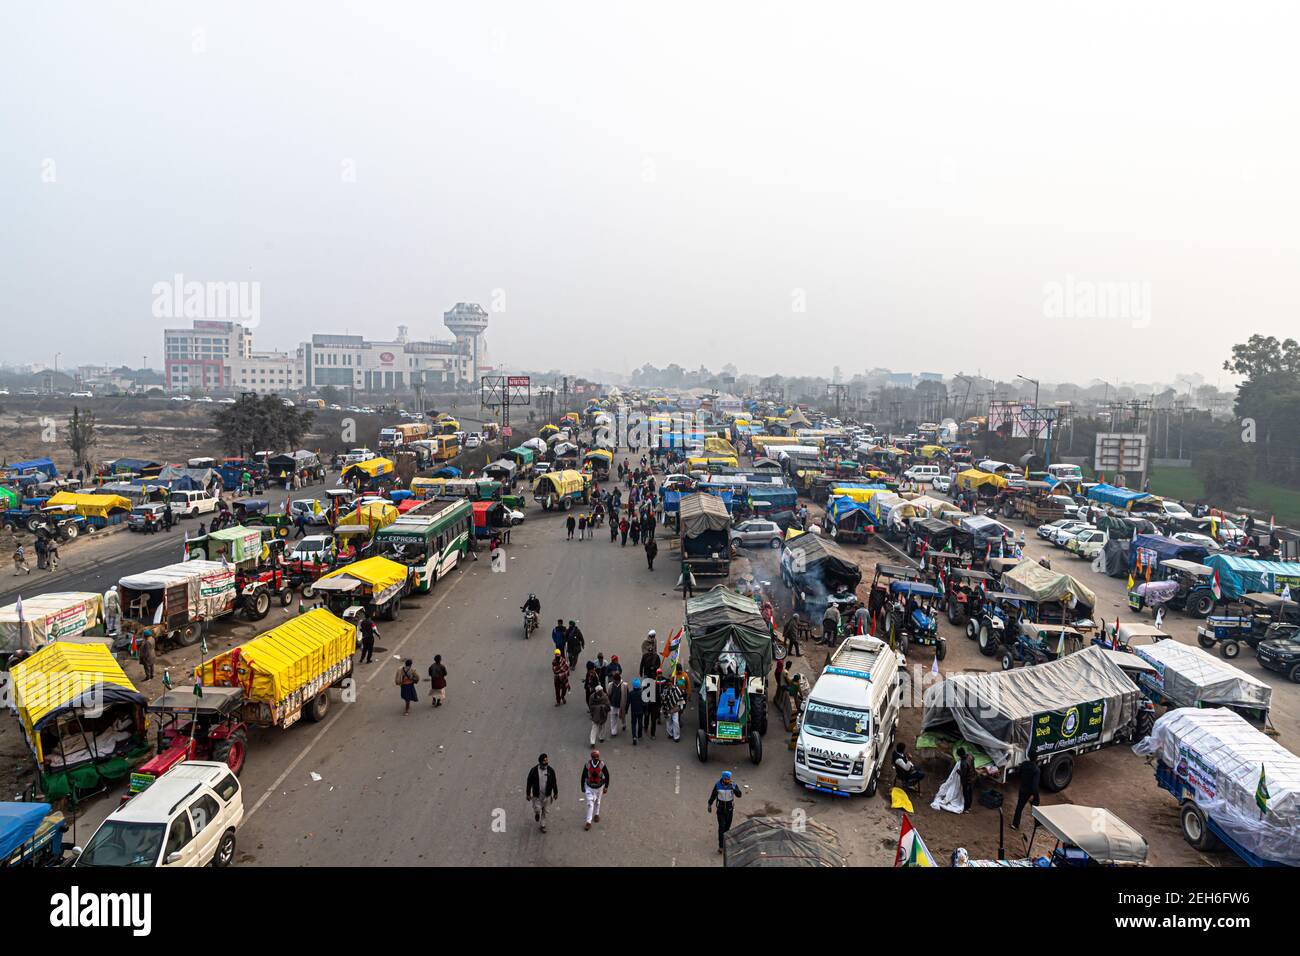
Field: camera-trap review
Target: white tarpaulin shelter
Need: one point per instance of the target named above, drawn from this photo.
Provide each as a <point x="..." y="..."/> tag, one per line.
<point x="1001" y="710"/>
<point x="1031" y="578"/>
<point x="1094" y="830"/>
<point x="49" y="617"/>
<point x="1218" y="757"/>
<point x="1189" y="677"/>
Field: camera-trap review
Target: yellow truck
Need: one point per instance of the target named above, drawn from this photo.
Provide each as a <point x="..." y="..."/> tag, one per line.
<point x="560" y="489"/>
<point x="287" y="672"/>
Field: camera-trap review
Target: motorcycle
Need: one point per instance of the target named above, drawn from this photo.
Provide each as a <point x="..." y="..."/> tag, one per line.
<point x="530" y="623"/>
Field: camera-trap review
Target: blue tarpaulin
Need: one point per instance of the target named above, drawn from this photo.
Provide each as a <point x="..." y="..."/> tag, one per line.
<point x="772" y="497"/>
<point x="1238" y="575"/>
<point x="1156" y="547"/>
<point x="1115" y="497"/>
<point x="136" y="465"/>
<point x="447" y="471"/>
<point x="43" y="465"/>
<point x="672" y="500"/>
<point x="18" y="824"/>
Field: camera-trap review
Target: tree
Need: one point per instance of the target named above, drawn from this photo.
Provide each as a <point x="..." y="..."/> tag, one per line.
<point x="256" y="423"/>
<point x="1226" y="474"/>
<point x="330" y="395"/>
<point x="81" y="437"/>
<point x="1263" y="355"/>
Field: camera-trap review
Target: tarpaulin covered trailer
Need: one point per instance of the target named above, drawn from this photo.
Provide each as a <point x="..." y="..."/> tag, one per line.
<point x="1187" y="676"/>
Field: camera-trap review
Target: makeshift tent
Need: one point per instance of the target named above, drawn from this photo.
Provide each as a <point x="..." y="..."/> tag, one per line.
<point x="194" y="590"/>
<point x="502" y="469"/>
<point x="236" y="544"/>
<point x="9" y="499"/>
<point x="1032" y="579"/>
<point x="822" y="560"/>
<point x="797" y="420"/>
<point x="32" y="466"/>
<point x="1116" y="497"/>
<point x="986" y="532"/>
<point x="135" y="466"/>
<point x="568" y="482"/>
<point x="940" y="533"/>
<point x="92" y="506"/>
<point x="189" y="479"/>
<point x="771" y="498"/>
<point x="934" y="506"/>
<point x="700" y="512"/>
<point x="974" y="478"/>
<point x="1146" y="548"/>
<point x="371" y="468"/>
<point x="82" y="718"/>
<point x="779" y="841"/>
<point x="375" y="515"/>
<point x="1238" y="576"/>
<point x="1221" y="762"/>
<point x="48" y="617"/>
<point x="998" y="710"/>
<point x="722" y="622"/>
<point x="1187" y="676"/>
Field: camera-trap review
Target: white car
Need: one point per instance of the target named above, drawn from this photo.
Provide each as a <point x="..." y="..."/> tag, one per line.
<point x="942" y="483"/>
<point x="180" y="398"/>
<point x="286" y="403"/>
<point x="81" y="395"/>
<point x="1087" y="543"/>
<point x="1191" y="537"/>
<point x="226" y="401"/>
<point x="1063" y="534"/>
<point x="313" y="548"/>
<point x="207" y="399"/>
<point x="191" y="504"/>
<point x="471" y="441"/>
<point x="187" y="817"/>
<point x="1173" y="509"/>
<point x="1045" y="531"/>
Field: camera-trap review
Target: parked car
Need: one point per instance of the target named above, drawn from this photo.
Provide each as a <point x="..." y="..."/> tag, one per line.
<point x="1087" y="544"/>
<point x="1062" y="535"/>
<point x="1191" y="537"/>
<point x="187" y="817"/>
<point x="1045" y="531"/>
<point x="757" y="533"/>
<point x="81" y="395"/>
<point x="226" y="401"/>
<point x="942" y="483"/>
<point x="191" y="504"/>
<point x="205" y="398"/>
<point x="141" y="515"/>
<point x="180" y="398"/>
<point x="922" y="474"/>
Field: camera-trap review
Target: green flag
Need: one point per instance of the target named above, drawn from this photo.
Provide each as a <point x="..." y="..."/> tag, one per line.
<point x="167" y="679"/>
<point x="198" y="689"/>
<point x="1261" y="793"/>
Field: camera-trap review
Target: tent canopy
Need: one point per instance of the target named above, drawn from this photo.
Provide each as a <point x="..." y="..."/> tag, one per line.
<point x="1116" y="497"/>
<point x="699" y="512"/>
<point x="1095" y="830"/>
<point x="61" y="677"/>
<point x="722" y="622"/>
<point x="833" y="563"/>
<point x="1031" y="578"/>
<point x="18" y="824"/>
<point x="91" y="506"/>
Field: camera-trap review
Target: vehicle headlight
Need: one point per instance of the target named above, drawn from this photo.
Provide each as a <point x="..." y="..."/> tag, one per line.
<point x="858" y="766"/>
<point x="800" y="757"/>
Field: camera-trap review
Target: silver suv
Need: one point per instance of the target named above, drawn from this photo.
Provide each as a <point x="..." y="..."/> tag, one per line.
<point x="757" y="533"/>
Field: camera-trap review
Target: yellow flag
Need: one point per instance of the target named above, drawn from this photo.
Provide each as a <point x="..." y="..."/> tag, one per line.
<point x="1130" y="580"/>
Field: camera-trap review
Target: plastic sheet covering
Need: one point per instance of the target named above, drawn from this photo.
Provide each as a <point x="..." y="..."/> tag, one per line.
<point x="1219" y="756"/>
<point x="1031" y="578"/>
<point x="777" y="841"/>
<point x="701" y="512"/>
<point x="996" y="710"/>
<point x="210" y="586"/>
<point x="1190" y="677"/>
<point x="49" y="617"/>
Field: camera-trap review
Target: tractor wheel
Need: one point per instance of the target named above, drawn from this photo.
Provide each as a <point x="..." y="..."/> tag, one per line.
<point x="394" y="609"/>
<point x="954" y="614"/>
<point x="1205" y="640"/>
<point x="1230" y="649"/>
<point x="69" y="531"/>
<point x="1146" y="722"/>
<point x="941" y="649"/>
<point x="286" y="596"/>
<point x="1196" y="830"/>
<point x="568" y="504"/>
<point x="755" y="748"/>
<point x="987" y="640"/>
<point x="33" y="524"/>
<point x="258" y="606"/>
<point x="758" y="712"/>
<point x="318" y="707"/>
<point x="1202" y="605"/>
<point x="308" y="591"/>
<point x="1059" y="773"/>
<point x="225" y="854"/>
<point x="702" y="746"/>
<point x="1007" y="662"/>
<point x="972" y="628"/>
<point x="231" y="751"/>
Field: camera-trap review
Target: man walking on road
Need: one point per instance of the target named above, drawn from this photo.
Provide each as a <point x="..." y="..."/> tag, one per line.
<point x="617" y="690"/>
<point x="637" y="707"/>
<point x="438" y="678"/>
<point x="560" y="674"/>
<point x="570" y="523"/>
<point x="651" y="550"/>
<point x="540" y="789"/>
<point x="558" y="635"/>
<point x="20" y="561"/>
<point x="724" y="794"/>
<point x="594" y="779"/>
<point x="599" y="709"/>
<point x="368" y="633"/>
<point x="574" y="642"/>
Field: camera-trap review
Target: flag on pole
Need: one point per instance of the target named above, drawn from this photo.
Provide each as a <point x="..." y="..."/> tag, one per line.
<point x="18" y="608"/>
<point x="1131" y="582"/>
<point x="185" y="547"/>
<point x="1261" y="793"/>
<point x="1215" y="586"/>
<point x="934" y="666"/>
<point x="671" y="652"/>
<point x="1060" y="645"/>
<point x="912" y="850"/>
<point x="1270" y="523"/>
<point x="167" y="679"/>
<point x="1286" y="592"/>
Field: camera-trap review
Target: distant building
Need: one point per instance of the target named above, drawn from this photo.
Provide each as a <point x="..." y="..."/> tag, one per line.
<point x="900" y="379"/>
<point x="350" y="361"/>
<point x="468" y="321"/>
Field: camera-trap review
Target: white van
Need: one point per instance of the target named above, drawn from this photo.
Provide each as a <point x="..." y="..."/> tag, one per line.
<point x="191" y="504"/>
<point x="922" y="474"/>
<point x="187" y="817"/>
<point x="846" y="731"/>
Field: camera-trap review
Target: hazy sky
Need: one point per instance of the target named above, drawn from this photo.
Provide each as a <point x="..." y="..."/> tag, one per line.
<point x="786" y="187"/>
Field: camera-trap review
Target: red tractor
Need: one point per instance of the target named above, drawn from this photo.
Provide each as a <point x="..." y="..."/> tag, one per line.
<point x="207" y="727"/>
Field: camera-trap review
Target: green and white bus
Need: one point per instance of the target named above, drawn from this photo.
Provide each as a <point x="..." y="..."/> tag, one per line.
<point x="430" y="539"/>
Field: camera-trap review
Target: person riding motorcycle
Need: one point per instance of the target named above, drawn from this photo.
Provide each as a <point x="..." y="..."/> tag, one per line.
<point x="532" y="610"/>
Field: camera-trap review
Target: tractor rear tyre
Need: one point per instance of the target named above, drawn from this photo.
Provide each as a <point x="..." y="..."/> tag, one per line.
<point x="988" y="641"/>
<point x="188" y="635"/>
<point x="941" y="649"/>
<point x="257" y="606"/>
<point x="231" y="751"/>
<point x="702" y="746"/>
<point x="758" y="712"/>
<point x="755" y="748"/>
<point x="1230" y="649"/>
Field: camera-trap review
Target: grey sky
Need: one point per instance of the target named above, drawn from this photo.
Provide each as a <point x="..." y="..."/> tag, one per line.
<point x="661" y="182"/>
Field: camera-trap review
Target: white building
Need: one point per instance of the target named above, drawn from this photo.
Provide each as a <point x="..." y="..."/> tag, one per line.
<point x="201" y="358"/>
<point x="351" y="361"/>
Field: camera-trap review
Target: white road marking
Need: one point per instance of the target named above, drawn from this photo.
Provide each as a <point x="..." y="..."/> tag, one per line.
<point x="330" y="723"/>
